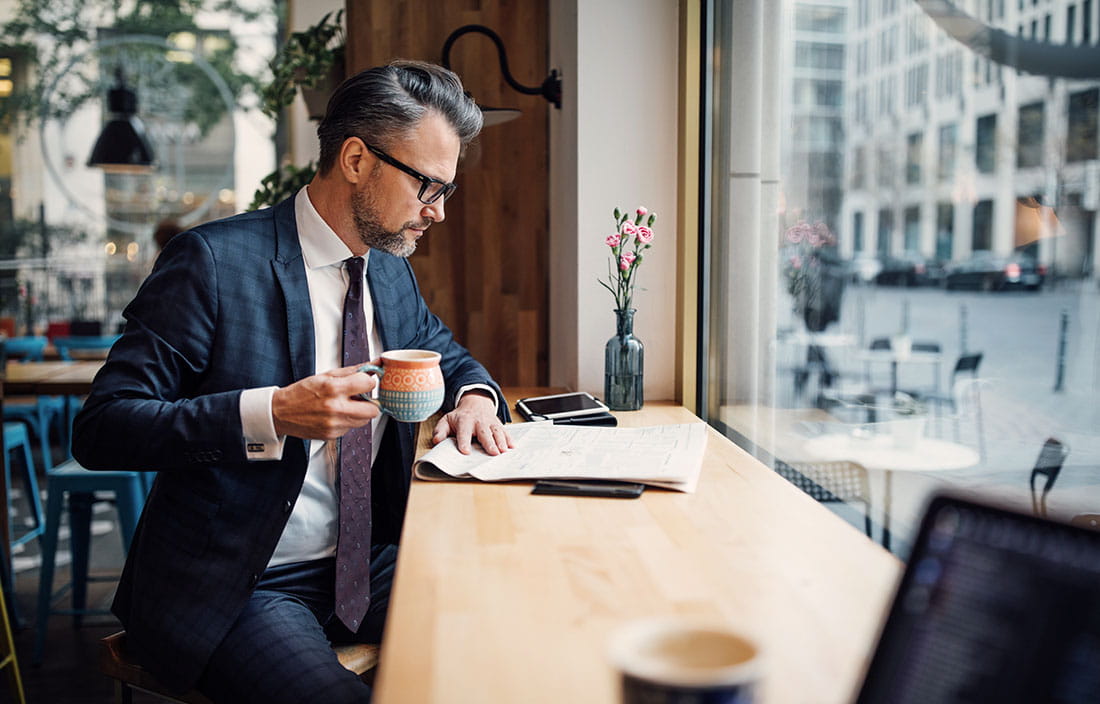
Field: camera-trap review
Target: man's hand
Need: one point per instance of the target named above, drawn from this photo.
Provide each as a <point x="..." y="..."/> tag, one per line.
<point x="322" y="407"/>
<point x="474" y="416"/>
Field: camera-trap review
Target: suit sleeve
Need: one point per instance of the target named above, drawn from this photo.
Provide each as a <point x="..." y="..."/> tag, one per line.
<point x="149" y="407"/>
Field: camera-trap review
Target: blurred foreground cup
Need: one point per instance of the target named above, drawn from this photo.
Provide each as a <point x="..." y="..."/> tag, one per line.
<point x="668" y="661"/>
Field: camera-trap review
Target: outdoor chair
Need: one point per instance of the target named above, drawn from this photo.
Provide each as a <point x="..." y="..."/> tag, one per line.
<point x="966" y="369"/>
<point x="1049" y="464"/>
<point x="831" y="482"/>
<point x="39" y="413"/>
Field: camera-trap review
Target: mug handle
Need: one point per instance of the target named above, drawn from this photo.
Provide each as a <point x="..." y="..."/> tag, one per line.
<point x="372" y="369"/>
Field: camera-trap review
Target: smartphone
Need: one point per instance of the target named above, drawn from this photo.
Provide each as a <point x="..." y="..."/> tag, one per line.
<point x="586" y="487"/>
<point x="569" y="405"/>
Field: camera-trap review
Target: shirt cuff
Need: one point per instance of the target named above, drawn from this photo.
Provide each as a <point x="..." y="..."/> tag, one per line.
<point x="258" y="425"/>
<point x="475" y="387"/>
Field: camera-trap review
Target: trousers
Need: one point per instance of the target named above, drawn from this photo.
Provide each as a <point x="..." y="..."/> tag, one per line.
<point x="279" y="650"/>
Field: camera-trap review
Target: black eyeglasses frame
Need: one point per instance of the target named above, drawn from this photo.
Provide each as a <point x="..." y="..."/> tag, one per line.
<point x="446" y="190"/>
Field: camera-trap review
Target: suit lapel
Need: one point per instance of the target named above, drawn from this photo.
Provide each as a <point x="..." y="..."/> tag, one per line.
<point x="381" y="276"/>
<point x="290" y="272"/>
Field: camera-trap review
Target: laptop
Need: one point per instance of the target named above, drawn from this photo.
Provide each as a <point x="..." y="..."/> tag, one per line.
<point x="993" y="606"/>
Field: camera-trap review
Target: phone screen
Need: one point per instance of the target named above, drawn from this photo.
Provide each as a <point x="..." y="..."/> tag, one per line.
<point x="564" y="404"/>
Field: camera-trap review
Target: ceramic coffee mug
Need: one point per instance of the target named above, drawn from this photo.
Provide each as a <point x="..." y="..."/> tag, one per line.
<point x="410" y="384"/>
<point x="666" y="661"/>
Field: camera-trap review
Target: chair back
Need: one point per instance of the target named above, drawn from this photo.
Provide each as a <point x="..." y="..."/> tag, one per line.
<point x="968" y="363"/>
<point x="925" y="346"/>
<point x="1051" y="458"/>
<point x="84" y="346"/>
<point x="25" y="349"/>
<point x="880" y="343"/>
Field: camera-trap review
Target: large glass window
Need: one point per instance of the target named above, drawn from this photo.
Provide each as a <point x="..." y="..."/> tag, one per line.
<point x="941" y="322"/>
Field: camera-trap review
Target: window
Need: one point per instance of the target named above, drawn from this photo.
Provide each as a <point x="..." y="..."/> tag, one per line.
<point x="1086" y="22"/>
<point x="914" y="142"/>
<point x="985" y="144"/>
<point x="945" y="231"/>
<point x="816" y="18"/>
<point x="885" y="232"/>
<point x="1071" y="21"/>
<point x="912" y="228"/>
<point x="1081" y="142"/>
<point x="1029" y="136"/>
<point x="982" y="237"/>
<point x="928" y="196"/>
<point x="945" y="168"/>
<point x="817" y="55"/>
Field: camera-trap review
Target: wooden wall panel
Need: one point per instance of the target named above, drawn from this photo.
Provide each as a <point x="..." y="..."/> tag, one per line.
<point x="484" y="270"/>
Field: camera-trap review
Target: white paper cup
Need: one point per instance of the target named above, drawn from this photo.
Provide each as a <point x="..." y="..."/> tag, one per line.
<point x="667" y="661"/>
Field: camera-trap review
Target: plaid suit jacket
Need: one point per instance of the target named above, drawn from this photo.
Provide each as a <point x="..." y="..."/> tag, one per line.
<point x="227" y="308"/>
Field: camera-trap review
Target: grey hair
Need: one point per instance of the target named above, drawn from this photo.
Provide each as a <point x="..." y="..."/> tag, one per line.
<point x="383" y="104"/>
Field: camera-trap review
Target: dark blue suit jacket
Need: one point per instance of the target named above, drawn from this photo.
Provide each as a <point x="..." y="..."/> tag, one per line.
<point x="227" y="308"/>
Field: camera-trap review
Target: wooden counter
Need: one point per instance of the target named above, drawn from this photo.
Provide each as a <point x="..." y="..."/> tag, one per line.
<point x="503" y="596"/>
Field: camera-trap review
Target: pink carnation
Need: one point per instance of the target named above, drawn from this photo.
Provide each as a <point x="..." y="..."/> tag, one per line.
<point x="645" y="235"/>
<point x="799" y="232"/>
<point x="626" y="260"/>
<point x="642" y="211"/>
<point x="628" y="230"/>
<point x="612" y="240"/>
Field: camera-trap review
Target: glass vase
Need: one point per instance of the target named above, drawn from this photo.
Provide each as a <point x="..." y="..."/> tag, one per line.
<point x="624" y="357"/>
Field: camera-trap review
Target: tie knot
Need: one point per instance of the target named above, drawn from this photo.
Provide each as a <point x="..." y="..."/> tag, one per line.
<point x="355" y="267"/>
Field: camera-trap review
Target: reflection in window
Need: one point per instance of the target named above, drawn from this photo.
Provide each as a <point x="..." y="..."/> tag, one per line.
<point x="946" y="166"/>
<point x="982" y="233"/>
<point x="914" y="142"/>
<point x="985" y="144"/>
<point x="1081" y="142"/>
<point x="945" y="231"/>
<point x="1029" y="136"/>
<point x="912" y="229"/>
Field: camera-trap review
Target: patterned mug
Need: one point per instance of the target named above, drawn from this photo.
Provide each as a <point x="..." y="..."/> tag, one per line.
<point x="410" y="386"/>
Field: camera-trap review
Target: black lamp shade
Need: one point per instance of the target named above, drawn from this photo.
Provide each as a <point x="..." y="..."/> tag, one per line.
<point x="122" y="146"/>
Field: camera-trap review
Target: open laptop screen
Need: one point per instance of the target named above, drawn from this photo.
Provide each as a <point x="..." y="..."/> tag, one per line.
<point x="994" y="606"/>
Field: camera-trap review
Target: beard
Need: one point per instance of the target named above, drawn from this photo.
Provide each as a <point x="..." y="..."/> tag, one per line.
<point x="368" y="223"/>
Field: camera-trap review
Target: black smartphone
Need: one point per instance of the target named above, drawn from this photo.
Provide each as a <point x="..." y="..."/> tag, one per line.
<point x="584" y="487"/>
<point x="568" y="405"/>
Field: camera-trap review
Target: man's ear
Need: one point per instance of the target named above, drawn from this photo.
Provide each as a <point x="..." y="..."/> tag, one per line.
<point x="353" y="161"/>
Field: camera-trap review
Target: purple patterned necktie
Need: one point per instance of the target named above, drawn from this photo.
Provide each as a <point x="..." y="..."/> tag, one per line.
<point x="353" y="542"/>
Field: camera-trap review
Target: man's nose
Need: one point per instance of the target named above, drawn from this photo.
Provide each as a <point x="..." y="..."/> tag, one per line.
<point x="434" y="211"/>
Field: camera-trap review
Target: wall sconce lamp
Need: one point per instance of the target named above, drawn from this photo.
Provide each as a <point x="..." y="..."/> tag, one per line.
<point x="122" y="146"/>
<point x="550" y="88"/>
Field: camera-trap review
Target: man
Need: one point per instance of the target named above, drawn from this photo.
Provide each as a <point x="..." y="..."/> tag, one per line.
<point x="234" y="380"/>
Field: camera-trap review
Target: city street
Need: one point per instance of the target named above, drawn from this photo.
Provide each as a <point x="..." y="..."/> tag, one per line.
<point x="1025" y="357"/>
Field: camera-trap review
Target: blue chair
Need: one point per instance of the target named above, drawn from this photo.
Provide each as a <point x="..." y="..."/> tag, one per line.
<point x="40" y="413"/>
<point x="16" y="439"/>
<point x="84" y="346"/>
<point x="79" y="485"/>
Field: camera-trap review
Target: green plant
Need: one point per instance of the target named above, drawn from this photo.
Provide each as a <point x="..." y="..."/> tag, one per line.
<point x="282" y="183"/>
<point x="305" y="60"/>
<point x="57" y="37"/>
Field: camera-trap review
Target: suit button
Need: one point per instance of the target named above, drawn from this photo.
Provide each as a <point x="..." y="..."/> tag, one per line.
<point x="287" y="506"/>
<point x="253" y="580"/>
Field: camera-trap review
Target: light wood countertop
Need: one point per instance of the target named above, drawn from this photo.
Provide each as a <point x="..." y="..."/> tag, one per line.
<point x="504" y="596"/>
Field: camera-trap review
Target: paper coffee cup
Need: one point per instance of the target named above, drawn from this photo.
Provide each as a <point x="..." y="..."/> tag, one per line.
<point x="663" y="661"/>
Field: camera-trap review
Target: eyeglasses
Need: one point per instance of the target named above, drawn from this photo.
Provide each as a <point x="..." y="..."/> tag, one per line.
<point x="431" y="189"/>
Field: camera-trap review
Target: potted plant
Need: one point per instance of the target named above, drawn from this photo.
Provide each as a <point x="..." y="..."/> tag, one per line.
<point x="312" y="60"/>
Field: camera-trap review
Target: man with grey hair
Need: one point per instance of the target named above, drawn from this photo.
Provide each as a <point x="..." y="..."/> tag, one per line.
<point x="236" y="380"/>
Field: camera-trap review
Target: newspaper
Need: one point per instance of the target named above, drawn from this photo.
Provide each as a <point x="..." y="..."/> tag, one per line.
<point x="669" y="456"/>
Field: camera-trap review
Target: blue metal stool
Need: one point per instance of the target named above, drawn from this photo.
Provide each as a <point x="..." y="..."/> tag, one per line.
<point x="15" y="438"/>
<point x="39" y="414"/>
<point x="79" y="485"/>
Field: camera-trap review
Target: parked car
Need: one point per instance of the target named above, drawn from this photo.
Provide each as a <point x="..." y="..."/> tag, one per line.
<point x="863" y="268"/>
<point x="909" y="269"/>
<point x="986" y="271"/>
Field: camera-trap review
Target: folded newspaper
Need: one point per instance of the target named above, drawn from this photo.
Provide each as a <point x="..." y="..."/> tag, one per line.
<point x="668" y="456"/>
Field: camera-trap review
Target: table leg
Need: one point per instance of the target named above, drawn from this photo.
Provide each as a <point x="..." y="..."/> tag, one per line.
<point x="887" y="508"/>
